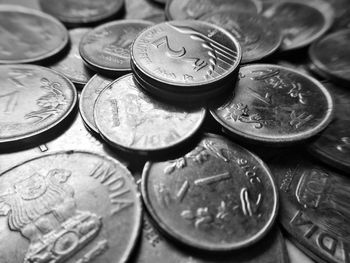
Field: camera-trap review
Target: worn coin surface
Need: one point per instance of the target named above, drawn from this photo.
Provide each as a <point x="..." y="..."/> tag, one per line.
<point x="72" y="65"/>
<point x="88" y="98"/>
<point x="68" y="207"/>
<point x="186" y="55"/>
<point x="218" y="197"/>
<point x="28" y="35"/>
<point x="314" y="206"/>
<point x="301" y="22"/>
<point x="33" y="100"/>
<point x="78" y="12"/>
<point x="275" y="105"/>
<point x="126" y="117"/>
<point x="331" y="55"/>
<point x="333" y="144"/>
<point x="258" y="36"/>
<point x="107" y="47"/>
<point x="192" y="9"/>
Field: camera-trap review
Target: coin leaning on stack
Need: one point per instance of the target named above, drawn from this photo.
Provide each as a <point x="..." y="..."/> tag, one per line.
<point x="195" y="115"/>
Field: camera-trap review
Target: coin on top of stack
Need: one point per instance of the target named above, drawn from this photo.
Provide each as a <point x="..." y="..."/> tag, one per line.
<point x="185" y="60"/>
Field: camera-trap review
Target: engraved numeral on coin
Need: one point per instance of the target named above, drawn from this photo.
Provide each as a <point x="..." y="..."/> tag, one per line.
<point x="11" y="100"/>
<point x="298" y="120"/>
<point x="115" y="112"/>
<point x="170" y="52"/>
<point x="249" y="207"/>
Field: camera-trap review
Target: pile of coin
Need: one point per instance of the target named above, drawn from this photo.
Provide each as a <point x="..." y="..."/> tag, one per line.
<point x="203" y="127"/>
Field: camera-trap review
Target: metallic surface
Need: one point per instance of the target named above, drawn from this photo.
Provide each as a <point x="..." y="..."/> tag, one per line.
<point x="54" y="209"/>
<point x="218" y="197"/>
<point x="275" y="105"/>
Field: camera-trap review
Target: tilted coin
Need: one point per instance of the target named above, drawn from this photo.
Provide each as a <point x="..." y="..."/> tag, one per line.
<point x="275" y="105"/>
<point x="33" y="101"/>
<point x="301" y="22"/>
<point x="186" y="55"/>
<point x="258" y="36"/>
<point x="88" y="98"/>
<point x="28" y="35"/>
<point x="333" y="144"/>
<point x="314" y="206"/>
<point x="68" y="207"/>
<point x="192" y="9"/>
<point x="72" y="65"/>
<point x="26" y="3"/>
<point x="218" y="197"/>
<point x="331" y="55"/>
<point x="80" y="12"/>
<point x="128" y="118"/>
<point x="107" y="47"/>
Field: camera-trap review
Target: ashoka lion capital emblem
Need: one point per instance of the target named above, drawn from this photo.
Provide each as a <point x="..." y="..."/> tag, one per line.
<point x="42" y="208"/>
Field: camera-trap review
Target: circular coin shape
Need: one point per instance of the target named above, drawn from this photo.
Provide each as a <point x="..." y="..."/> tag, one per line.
<point x="27" y="35"/>
<point x="72" y="65"/>
<point x="331" y="55"/>
<point x="301" y="22"/>
<point x="217" y="197"/>
<point x="192" y="9"/>
<point x="258" y="36"/>
<point x="186" y="54"/>
<point x="77" y="12"/>
<point x="275" y="105"/>
<point x="33" y="100"/>
<point x="88" y="98"/>
<point x="107" y="47"/>
<point x="333" y="144"/>
<point x="314" y="206"/>
<point x="128" y="118"/>
<point x="68" y="207"/>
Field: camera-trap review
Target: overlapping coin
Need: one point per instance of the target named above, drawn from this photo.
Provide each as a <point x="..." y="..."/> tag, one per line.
<point x="274" y="105"/>
<point x="106" y="48"/>
<point x="55" y="209"/>
<point x="217" y="197"/>
<point x="128" y="118"/>
<point x="28" y="35"/>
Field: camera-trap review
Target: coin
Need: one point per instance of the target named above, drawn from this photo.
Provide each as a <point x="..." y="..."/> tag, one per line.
<point x="143" y="9"/>
<point x="33" y="101"/>
<point x="301" y="22"/>
<point x="107" y="47"/>
<point x="192" y="9"/>
<point x="71" y="65"/>
<point x="26" y="3"/>
<point x="68" y="206"/>
<point x="275" y="105"/>
<point x="297" y="252"/>
<point x="88" y="98"/>
<point x="28" y="35"/>
<point x="258" y="36"/>
<point x="331" y="55"/>
<point x="333" y="144"/>
<point x="128" y="118"/>
<point x="80" y="12"/>
<point x="186" y="55"/>
<point x="314" y="206"/>
<point x="218" y="197"/>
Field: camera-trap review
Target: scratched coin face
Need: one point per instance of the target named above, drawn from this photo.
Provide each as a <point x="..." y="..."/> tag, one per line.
<point x="68" y="207"/>
<point x="71" y="65"/>
<point x="275" y="105"/>
<point x="128" y="118"/>
<point x="314" y="206"/>
<point x="258" y="36"/>
<point x="107" y="47"/>
<point x="331" y="55"/>
<point x="76" y="12"/>
<point x="301" y="22"/>
<point x="186" y="55"/>
<point x="88" y="98"/>
<point x="33" y="100"/>
<point x="333" y="144"/>
<point x="192" y="9"/>
<point x="27" y="35"/>
<point x="217" y="197"/>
